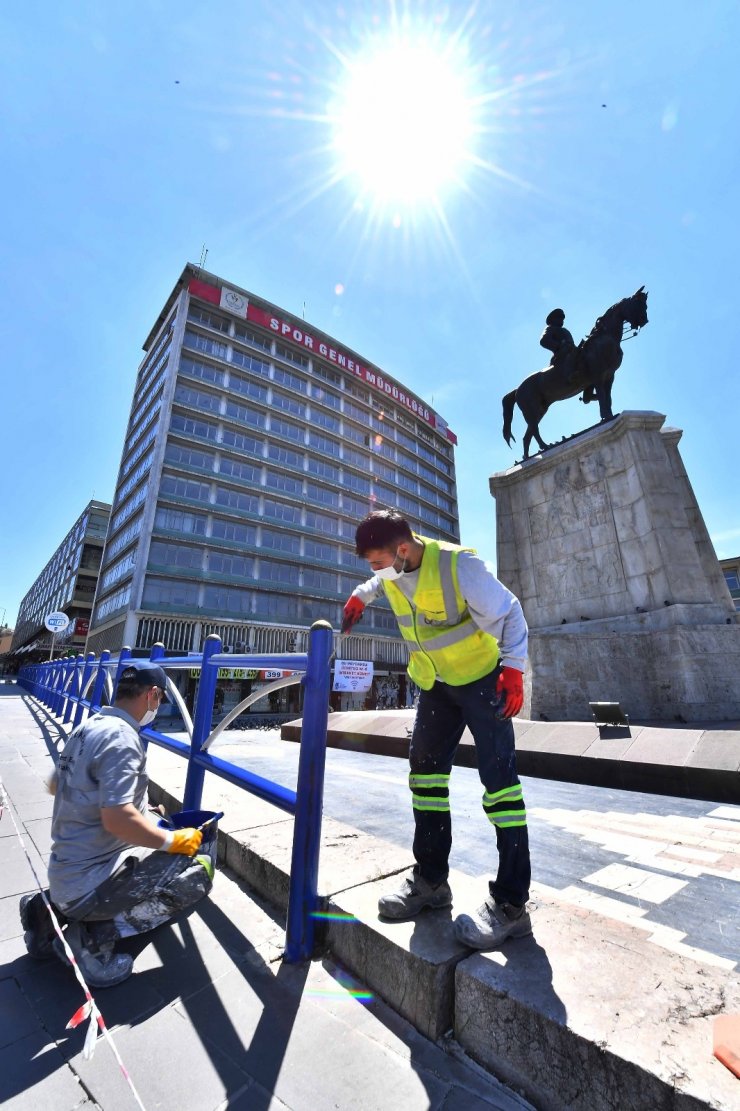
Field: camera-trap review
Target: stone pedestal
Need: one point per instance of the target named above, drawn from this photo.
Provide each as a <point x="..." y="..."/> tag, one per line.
<point x="603" y="541"/>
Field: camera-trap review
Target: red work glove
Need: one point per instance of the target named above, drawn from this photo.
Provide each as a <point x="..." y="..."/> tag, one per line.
<point x="353" y="611"/>
<point x="510" y="689"/>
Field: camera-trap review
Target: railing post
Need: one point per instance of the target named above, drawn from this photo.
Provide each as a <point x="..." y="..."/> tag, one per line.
<point x="96" y="699"/>
<point x="123" y="658"/>
<point x="304" y="869"/>
<point x="66" y="666"/>
<point x="86" y="673"/>
<point x="74" y="688"/>
<point x="201" y="722"/>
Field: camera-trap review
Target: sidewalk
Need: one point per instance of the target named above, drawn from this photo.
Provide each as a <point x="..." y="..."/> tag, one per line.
<point x="212" y="1018"/>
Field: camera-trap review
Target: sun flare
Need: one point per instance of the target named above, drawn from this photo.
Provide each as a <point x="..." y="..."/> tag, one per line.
<point x="404" y="123"/>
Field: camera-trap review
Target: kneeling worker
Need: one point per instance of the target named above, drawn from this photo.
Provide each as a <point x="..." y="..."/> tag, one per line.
<point x="467" y="639"/>
<point x="113" y="872"/>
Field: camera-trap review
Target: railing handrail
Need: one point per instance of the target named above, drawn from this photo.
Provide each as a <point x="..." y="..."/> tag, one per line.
<point x="62" y="686"/>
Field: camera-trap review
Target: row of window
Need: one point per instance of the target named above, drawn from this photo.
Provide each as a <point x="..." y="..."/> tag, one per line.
<point x="177" y="453"/>
<point x="379" y="422"/>
<point x="302" y="436"/>
<point x="165" y="554"/>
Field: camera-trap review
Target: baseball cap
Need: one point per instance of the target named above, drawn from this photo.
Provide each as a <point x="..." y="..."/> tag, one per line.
<point x="144" y="673"/>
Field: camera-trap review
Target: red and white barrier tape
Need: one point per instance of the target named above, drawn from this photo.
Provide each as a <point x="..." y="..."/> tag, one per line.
<point x="89" y="1008"/>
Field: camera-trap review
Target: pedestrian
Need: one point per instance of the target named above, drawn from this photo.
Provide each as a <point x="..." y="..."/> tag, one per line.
<point x="467" y="639"/>
<point x="113" y="871"/>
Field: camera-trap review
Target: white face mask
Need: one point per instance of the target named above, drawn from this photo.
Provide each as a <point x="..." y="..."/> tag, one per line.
<point x="148" y="717"/>
<point x="389" y="573"/>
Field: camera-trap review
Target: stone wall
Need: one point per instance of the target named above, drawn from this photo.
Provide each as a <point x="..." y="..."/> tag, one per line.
<point x="603" y="541"/>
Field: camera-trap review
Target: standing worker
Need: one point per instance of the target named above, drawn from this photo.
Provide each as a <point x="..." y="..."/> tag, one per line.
<point x="113" y="872"/>
<point x="467" y="639"/>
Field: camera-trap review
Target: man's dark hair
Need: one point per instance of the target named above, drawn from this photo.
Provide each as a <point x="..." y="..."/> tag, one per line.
<point x="382" y="529"/>
<point x="128" y="688"/>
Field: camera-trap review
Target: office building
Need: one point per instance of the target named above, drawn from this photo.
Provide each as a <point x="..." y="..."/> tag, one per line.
<point x="66" y="584"/>
<point x="254" y="446"/>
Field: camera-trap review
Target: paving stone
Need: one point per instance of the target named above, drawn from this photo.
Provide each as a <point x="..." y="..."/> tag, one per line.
<point x="10" y="920"/>
<point x="670" y="747"/>
<point x="34" y="1077"/>
<point x="169" y="1060"/>
<point x="717" y="749"/>
<point x="17" y="876"/>
<point x="39" y="832"/>
<point x="17" y="1019"/>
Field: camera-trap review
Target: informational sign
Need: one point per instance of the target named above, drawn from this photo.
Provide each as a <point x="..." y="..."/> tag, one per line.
<point x="242" y="673"/>
<point x="233" y="302"/>
<point x="353" y="675"/>
<point x="56" y="622"/>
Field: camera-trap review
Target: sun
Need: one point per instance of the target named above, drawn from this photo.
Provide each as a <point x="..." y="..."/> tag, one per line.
<point x="403" y="123"/>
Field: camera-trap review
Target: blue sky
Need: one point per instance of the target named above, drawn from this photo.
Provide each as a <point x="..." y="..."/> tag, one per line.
<point x="606" y="157"/>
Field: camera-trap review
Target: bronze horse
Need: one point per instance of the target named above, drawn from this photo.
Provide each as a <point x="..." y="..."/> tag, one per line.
<point x="590" y="369"/>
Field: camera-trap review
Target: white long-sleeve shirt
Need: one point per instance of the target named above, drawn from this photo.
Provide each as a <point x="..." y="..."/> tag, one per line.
<point x="493" y="607"/>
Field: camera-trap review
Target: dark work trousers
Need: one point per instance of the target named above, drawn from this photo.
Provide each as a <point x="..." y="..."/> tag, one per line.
<point x="441" y="716"/>
<point x="146" y="892"/>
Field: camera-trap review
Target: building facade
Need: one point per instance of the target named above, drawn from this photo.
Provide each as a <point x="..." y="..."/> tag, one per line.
<point x="67" y="583"/>
<point x="255" y="445"/>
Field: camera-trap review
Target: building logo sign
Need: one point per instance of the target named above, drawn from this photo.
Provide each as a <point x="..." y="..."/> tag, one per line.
<point x="293" y="333"/>
<point x="233" y="302"/>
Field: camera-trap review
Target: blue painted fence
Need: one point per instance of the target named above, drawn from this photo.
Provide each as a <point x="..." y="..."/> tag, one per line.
<point x="61" y="685"/>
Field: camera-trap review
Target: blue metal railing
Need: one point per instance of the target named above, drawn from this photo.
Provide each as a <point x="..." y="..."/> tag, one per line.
<point x="63" y="685"/>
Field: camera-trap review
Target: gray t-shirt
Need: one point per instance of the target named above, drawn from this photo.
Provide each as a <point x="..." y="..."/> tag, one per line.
<point x="103" y="764"/>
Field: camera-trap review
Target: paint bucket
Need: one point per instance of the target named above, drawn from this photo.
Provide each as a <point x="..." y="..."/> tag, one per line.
<point x="185" y="819"/>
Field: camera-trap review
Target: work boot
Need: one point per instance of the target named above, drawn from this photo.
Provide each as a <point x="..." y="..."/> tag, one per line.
<point x="100" y="966"/>
<point x="491" y="924"/>
<point x="38" y="928"/>
<point x="413" y="895"/>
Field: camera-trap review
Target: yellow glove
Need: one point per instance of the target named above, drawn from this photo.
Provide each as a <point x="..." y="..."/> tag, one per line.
<point x="185" y="841"/>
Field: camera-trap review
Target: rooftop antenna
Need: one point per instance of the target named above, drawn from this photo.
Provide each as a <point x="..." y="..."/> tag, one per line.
<point x="203" y="257"/>
<point x="304" y="310"/>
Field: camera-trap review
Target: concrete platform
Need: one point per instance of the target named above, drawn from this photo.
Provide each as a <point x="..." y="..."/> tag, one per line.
<point x="588" y="1015"/>
<point x="605" y="1008"/>
<point x="701" y="762"/>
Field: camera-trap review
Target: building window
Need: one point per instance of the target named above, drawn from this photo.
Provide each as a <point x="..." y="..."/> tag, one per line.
<point x="280" y="541"/>
<point x="324" y="420"/>
<point x="284" y="376"/>
<point x="326" y="397"/>
<point x="288" y="404"/>
<point x="204" y="371"/>
<point x="185" y="488"/>
<point x="242" y="441"/>
<point x="251" y="338"/>
<point x="158" y="592"/>
<point x="732" y="580"/>
<point x="230" y="530"/>
<point x="175" y="555"/>
<point x="247" y="388"/>
<point x="291" y="514"/>
<point x="284" y="482"/>
<point x="197" y="399"/>
<point x="235" y="499"/>
<point x="210" y="319"/>
<point x="205" y="344"/>
<point x="271" y="570"/>
<point x="228" y="563"/>
<point x="315" y="549"/>
<point x="176" y="520"/>
<point x="292" y="356"/>
<point x="321" y="494"/>
<point x="191" y="427"/>
<point x="246" y="471"/>
<point x="284" y="428"/>
<point x="245" y="415"/>
<point x="189" y="456"/>
<point x="313" y="579"/>
<point x="249" y="362"/>
<point x="322" y="469"/>
<point x="324" y="444"/>
<point x="284" y="455"/>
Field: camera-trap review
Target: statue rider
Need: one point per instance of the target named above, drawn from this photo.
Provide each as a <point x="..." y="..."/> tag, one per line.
<point x="557" y="339"/>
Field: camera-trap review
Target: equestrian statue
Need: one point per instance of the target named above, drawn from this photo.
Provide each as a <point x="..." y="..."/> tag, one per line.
<point x="588" y="368"/>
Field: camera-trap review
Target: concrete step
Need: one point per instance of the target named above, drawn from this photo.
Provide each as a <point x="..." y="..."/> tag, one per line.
<point x="701" y="762"/>
<point x="586" y="1014"/>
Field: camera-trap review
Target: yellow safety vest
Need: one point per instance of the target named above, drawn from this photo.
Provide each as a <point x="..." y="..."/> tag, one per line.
<point x="444" y="641"/>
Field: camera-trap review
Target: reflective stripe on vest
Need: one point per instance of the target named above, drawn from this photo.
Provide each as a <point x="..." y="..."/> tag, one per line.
<point x="442" y="638"/>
